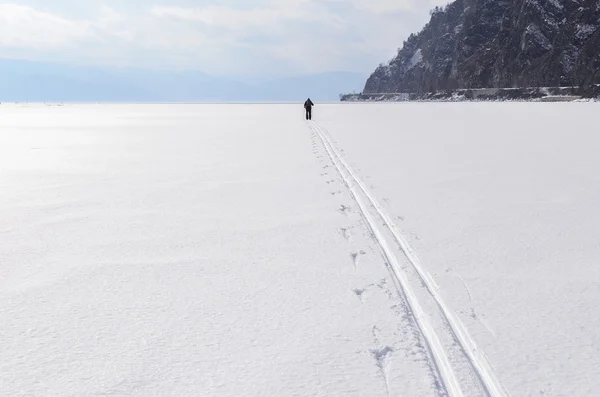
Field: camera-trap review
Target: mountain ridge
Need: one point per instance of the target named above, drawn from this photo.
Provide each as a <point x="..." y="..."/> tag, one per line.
<point x="34" y="81"/>
<point x="498" y="44"/>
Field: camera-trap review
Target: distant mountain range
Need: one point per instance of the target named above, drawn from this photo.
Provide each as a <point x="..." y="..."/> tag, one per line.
<point x="498" y="43"/>
<point x="31" y="81"/>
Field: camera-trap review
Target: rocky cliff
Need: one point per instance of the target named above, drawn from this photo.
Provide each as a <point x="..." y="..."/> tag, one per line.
<point x="498" y="43"/>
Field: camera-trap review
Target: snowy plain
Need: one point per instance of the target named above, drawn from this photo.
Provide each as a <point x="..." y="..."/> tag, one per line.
<point x="420" y="249"/>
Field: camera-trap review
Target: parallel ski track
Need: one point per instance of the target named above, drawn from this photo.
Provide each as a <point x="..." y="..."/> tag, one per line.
<point x="479" y="364"/>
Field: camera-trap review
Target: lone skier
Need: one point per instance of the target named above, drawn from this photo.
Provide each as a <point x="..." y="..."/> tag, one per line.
<point x="308" y="107"/>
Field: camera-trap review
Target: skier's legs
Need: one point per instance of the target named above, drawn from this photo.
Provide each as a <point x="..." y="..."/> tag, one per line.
<point x="309" y="113"/>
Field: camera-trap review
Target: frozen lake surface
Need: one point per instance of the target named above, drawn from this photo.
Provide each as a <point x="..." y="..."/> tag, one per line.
<point x="419" y="249"/>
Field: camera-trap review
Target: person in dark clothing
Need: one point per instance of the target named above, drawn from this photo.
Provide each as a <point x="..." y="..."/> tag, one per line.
<point x="308" y="107"/>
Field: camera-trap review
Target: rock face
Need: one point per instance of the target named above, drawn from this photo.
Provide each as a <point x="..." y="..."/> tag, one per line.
<point x="498" y="43"/>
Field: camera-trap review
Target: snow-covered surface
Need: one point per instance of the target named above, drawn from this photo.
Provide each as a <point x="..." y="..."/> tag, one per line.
<point x="415" y="249"/>
<point x="585" y="30"/>
<point x="416" y="59"/>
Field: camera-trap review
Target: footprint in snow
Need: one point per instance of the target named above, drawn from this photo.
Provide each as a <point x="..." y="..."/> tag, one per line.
<point x="381" y="355"/>
<point x="359" y="292"/>
<point x="344" y="233"/>
<point x="344" y="210"/>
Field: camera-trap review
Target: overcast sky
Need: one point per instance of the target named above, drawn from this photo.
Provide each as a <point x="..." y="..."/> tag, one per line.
<point x="227" y="37"/>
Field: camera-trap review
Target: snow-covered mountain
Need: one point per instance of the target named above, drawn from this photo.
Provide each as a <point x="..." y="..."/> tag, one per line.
<point x="498" y="43"/>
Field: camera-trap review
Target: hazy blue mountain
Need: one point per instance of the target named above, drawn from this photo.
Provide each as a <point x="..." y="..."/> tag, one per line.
<point x="32" y="81"/>
<point x="319" y="87"/>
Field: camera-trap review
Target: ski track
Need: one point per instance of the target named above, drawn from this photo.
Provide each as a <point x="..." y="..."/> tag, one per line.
<point x="445" y="343"/>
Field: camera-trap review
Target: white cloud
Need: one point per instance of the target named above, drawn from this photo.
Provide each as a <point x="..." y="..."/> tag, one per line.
<point x="22" y="26"/>
<point x="384" y="6"/>
<point x="227" y="36"/>
<point x="262" y="18"/>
